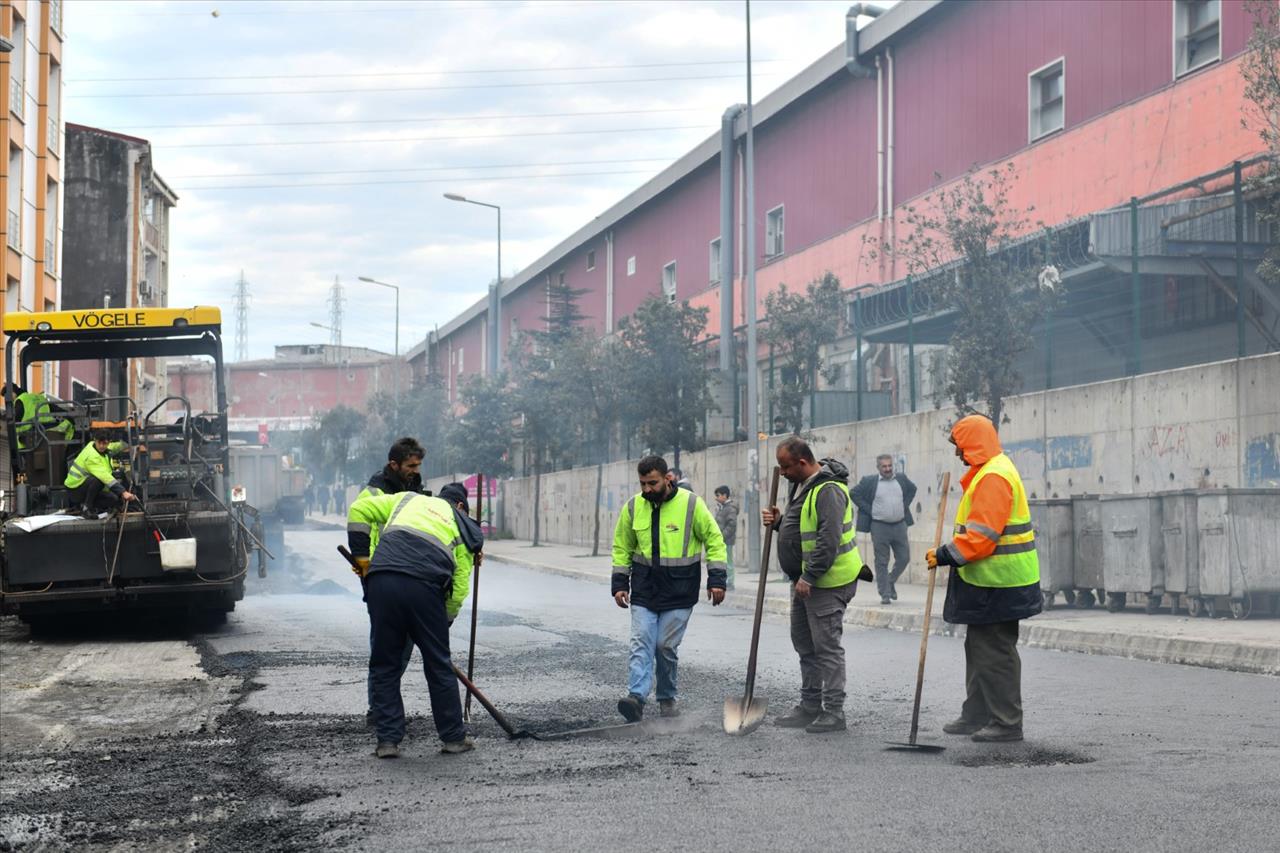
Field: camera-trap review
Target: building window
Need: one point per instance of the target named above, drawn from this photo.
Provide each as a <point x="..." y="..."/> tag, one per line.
<point x="560" y="279"/>
<point x="1196" y="34"/>
<point x="713" y="262"/>
<point x="515" y="329"/>
<point x="461" y="353"/>
<point x="1046" y="99"/>
<point x="631" y="265"/>
<point x="591" y="260"/>
<point x="669" y="281"/>
<point x="774" y="223"/>
<point x="17" y="68"/>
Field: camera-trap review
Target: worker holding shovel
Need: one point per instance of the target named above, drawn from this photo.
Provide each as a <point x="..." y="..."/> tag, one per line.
<point x="995" y="583"/>
<point x="817" y="552"/>
<point x="657" y="572"/>
<point x="415" y="586"/>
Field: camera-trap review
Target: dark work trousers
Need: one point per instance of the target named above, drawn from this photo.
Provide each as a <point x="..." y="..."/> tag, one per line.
<point x="817" y="625"/>
<point x="404" y="660"/>
<point x="94" y="494"/>
<point x="401" y="606"/>
<point x="885" y="536"/>
<point x="993" y="674"/>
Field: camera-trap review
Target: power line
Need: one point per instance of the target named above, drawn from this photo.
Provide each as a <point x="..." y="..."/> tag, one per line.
<point x="423" y="168"/>
<point x="423" y="119"/>
<point x="524" y="70"/>
<point x="451" y="180"/>
<point x="389" y="89"/>
<point x="386" y="139"/>
<point x="372" y="10"/>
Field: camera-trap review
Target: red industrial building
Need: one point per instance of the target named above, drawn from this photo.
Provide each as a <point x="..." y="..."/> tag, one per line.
<point x="286" y="393"/>
<point x="1094" y="103"/>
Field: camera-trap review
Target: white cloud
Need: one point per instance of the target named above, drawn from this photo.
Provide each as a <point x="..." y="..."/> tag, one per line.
<point x="291" y="242"/>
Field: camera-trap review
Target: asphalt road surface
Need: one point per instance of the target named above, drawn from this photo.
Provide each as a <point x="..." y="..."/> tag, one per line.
<point x="251" y="737"/>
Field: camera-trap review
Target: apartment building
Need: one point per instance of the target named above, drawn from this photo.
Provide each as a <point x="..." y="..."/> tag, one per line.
<point x="116" y="249"/>
<point x="31" y="90"/>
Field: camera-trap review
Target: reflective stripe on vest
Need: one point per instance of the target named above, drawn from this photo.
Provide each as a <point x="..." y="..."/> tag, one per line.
<point x="675" y="539"/>
<point x="426" y="518"/>
<point x="848" y="562"/>
<point x="372" y="529"/>
<point x="1014" y="562"/>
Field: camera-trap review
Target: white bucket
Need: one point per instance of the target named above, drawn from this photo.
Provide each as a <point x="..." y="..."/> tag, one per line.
<point x="177" y="554"/>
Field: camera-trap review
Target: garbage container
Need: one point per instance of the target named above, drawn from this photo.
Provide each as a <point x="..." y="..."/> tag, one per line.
<point x="1133" y="549"/>
<point x="1087" y="554"/>
<point x="1181" y="549"/>
<point x="1051" y="518"/>
<point x="1239" y="540"/>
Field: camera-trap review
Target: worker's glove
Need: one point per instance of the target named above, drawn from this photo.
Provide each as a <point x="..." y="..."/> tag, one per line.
<point x="931" y="558"/>
<point x="361" y="568"/>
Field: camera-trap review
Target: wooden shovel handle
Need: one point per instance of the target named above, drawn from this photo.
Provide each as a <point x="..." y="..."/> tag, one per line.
<point x="928" y="607"/>
<point x="764" y="576"/>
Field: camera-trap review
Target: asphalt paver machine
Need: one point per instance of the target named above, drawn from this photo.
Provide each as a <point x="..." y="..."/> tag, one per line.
<point x="185" y="544"/>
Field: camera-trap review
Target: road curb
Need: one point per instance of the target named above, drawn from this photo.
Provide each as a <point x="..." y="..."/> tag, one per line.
<point x="1258" y="659"/>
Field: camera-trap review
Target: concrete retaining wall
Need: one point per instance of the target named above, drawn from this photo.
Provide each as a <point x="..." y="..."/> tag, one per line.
<point x="1210" y="426"/>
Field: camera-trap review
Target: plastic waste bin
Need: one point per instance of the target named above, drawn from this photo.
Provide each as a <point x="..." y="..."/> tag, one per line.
<point x="1055" y="546"/>
<point x="1133" y="549"/>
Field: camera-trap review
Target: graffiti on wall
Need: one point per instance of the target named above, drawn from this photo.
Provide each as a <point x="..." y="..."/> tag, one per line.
<point x="1070" y="451"/>
<point x="1262" y="461"/>
<point x="1164" y="441"/>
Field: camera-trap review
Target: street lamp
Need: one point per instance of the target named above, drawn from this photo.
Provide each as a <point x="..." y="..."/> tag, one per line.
<point x="495" y="292"/>
<point x="395" y="375"/>
<point x="329" y="329"/>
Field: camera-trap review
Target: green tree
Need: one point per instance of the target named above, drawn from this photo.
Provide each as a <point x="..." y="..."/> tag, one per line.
<point x="994" y="292"/>
<point x="480" y="440"/>
<point x="800" y="325"/>
<point x="335" y="447"/>
<point x="542" y="386"/>
<point x="422" y="412"/>
<point x="666" y="375"/>
<point x="1260" y="68"/>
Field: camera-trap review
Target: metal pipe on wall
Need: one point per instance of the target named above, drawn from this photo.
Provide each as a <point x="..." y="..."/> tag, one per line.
<point x="726" y="237"/>
<point x="608" y="281"/>
<point x="749" y="299"/>
<point x="879" y="141"/>
<point x="888" y="178"/>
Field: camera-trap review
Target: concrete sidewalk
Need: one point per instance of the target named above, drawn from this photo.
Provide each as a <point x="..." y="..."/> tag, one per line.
<point x="1250" y="645"/>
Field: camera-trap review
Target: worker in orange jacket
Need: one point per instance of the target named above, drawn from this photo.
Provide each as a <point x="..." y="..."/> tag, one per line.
<point x="995" y="582"/>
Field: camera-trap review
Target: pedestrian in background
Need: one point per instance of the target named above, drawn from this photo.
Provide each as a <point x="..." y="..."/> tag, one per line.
<point x="339" y="498"/>
<point x="322" y="498"/>
<point x="681" y="481"/>
<point x="309" y="497"/>
<point x="817" y="551"/>
<point x="994" y="584"/>
<point x="884" y="510"/>
<point x="657" y="571"/>
<point x="727" y="521"/>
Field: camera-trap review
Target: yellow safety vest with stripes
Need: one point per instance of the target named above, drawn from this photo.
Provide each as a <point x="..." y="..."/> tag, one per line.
<point x="36" y="405"/>
<point x="1014" y="562"/>
<point x="687" y="526"/>
<point x="371" y="492"/>
<point x="91" y="463"/>
<point x="848" y="562"/>
<point x="425" y="517"/>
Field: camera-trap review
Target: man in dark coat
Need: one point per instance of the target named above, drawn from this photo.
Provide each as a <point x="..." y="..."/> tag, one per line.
<point x="884" y="510"/>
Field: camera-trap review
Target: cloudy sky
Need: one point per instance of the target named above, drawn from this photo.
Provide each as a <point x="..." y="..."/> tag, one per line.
<point x="308" y="140"/>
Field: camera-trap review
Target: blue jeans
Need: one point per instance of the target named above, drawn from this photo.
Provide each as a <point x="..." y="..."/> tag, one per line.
<point x="655" y="634"/>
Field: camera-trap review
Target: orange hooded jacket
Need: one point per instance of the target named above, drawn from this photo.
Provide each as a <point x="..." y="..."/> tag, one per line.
<point x="991" y="504"/>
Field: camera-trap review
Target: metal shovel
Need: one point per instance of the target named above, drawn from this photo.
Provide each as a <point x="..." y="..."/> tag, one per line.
<point x="744" y="714"/>
<point x="911" y="745"/>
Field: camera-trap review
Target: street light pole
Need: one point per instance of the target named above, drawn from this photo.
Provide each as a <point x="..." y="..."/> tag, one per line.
<point x="495" y="292"/>
<point x="749" y="297"/>
<point x="395" y="376"/>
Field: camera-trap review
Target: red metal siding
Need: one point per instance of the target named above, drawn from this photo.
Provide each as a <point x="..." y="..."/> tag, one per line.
<point x="961" y="79"/>
<point x="677" y="226"/>
<point x="1237" y="26"/>
<point x="818" y="159"/>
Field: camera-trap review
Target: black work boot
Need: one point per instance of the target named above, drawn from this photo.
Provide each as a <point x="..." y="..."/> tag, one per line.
<point x="798" y="717"/>
<point x="827" y="721"/>
<point x="996" y="733"/>
<point x="667" y="708"/>
<point x="387" y="749"/>
<point x="631" y="707"/>
<point x="961" y="726"/>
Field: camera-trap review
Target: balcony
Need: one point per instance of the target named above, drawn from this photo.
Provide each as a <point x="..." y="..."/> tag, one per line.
<point x="16" y="96"/>
<point x="55" y="138"/>
<point x="50" y="259"/>
<point x="14" y="238"/>
<point x="151" y="234"/>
